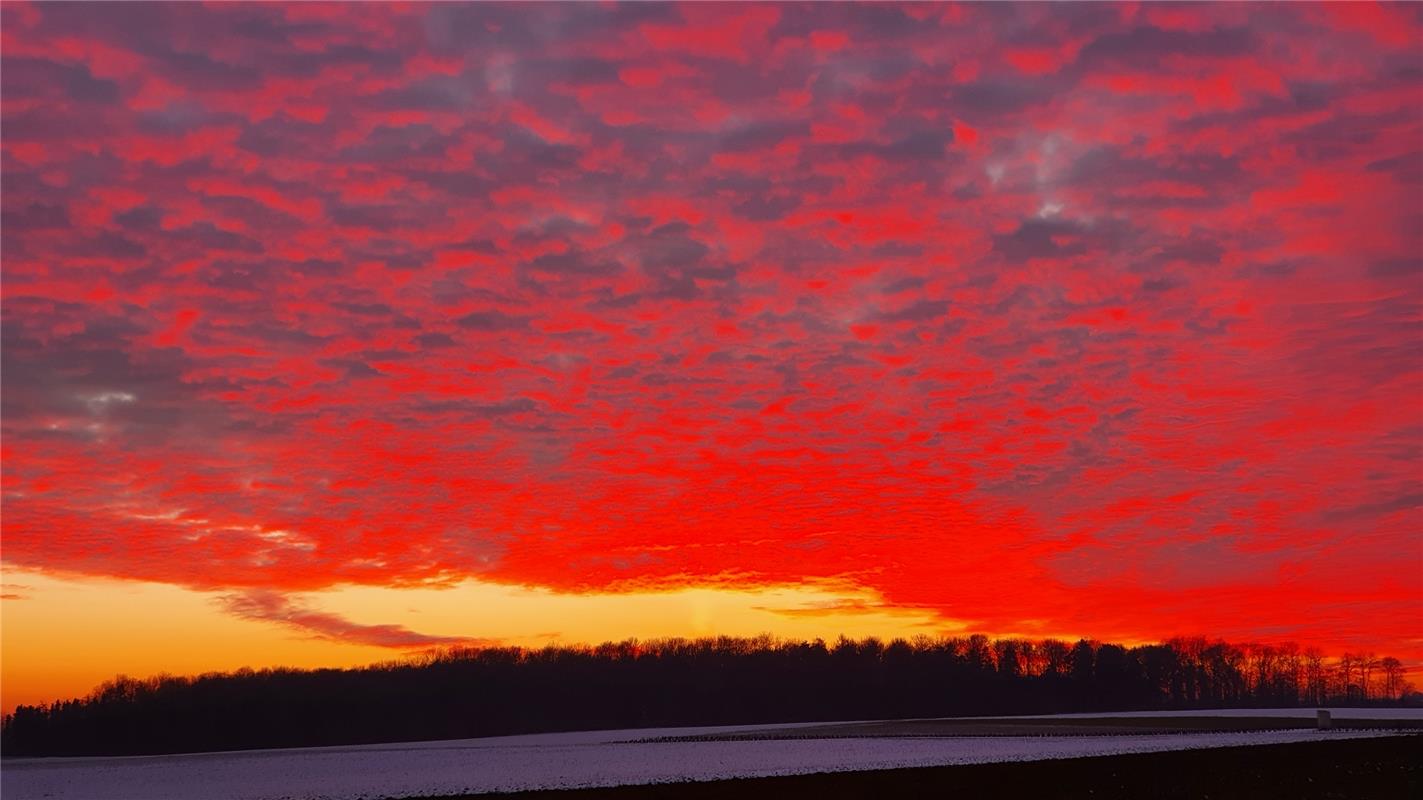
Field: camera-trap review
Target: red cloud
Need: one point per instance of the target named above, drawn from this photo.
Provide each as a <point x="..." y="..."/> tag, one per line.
<point x="612" y="296"/>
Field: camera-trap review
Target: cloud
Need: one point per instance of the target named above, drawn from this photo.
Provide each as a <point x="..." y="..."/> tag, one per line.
<point x="607" y="293"/>
<point x="272" y="606"/>
<point x="829" y="608"/>
<point x="491" y="321"/>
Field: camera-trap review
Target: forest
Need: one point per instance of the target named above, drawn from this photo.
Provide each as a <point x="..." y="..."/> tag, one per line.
<point x="469" y="692"/>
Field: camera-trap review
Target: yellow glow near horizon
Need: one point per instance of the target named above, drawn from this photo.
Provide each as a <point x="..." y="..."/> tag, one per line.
<point x="67" y="635"/>
<point x="64" y="635"/>
<point x="521" y="615"/>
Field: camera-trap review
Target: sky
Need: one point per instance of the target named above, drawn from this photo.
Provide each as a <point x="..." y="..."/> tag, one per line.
<point x="335" y="332"/>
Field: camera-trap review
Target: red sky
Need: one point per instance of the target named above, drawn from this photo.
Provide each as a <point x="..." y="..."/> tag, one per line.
<point x="1041" y="318"/>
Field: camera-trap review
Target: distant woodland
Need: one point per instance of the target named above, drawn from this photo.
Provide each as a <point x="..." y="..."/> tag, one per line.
<point x="458" y="693"/>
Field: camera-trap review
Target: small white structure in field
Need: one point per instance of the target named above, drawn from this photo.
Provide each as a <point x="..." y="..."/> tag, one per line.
<point x="1324" y="720"/>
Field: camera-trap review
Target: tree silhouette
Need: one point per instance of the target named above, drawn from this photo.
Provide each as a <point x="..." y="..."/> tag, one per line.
<point x="467" y="692"/>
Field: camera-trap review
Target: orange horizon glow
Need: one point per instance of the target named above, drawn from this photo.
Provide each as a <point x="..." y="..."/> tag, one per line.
<point x="66" y="634"/>
<point x="336" y="332"/>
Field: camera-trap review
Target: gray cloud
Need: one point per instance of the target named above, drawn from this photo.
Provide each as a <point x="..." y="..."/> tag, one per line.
<point x="271" y="606"/>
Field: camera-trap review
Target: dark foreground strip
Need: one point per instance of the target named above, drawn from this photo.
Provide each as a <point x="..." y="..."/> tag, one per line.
<point x="1361" y="769"/>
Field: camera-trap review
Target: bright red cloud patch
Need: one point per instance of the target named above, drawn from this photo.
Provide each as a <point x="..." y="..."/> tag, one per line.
<point x="1070" y="318"/>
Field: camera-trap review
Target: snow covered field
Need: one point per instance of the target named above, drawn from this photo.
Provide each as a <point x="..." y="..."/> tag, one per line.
<point x="592" y="758"/>
<point x="1287" y="713"/>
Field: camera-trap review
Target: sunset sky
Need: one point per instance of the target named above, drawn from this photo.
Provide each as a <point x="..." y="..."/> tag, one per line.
<point x="332" y="332"/>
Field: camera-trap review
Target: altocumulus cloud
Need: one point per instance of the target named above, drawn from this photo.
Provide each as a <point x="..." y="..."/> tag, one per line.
<point x="946" y="300"/>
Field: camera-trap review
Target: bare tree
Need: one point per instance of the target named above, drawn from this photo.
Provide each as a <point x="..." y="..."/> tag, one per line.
<point x="1057" y="657"/>
<point x="1368" y="662"/>
<point x="1005" y="654"/>
<point x="1315" y="676"/>
<point x="1035" y="661"/>
<point x="1347" y="664"/>
<point x="1291" y="671"/>
<point x="1393" y="681"/>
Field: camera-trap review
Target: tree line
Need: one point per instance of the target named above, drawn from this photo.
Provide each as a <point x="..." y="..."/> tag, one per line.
<point x="469" y="692"/>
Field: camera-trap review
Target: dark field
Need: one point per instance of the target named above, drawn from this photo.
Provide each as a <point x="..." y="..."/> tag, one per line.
<point x="1389" y="767"/>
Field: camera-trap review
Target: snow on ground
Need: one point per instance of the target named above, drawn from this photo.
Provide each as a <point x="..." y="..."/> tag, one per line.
<point x="1335" y="713"/>
<point x="598" y="758"/>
